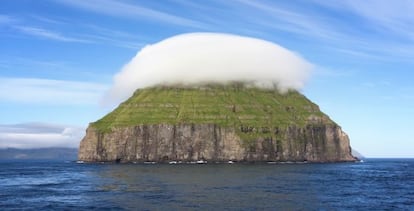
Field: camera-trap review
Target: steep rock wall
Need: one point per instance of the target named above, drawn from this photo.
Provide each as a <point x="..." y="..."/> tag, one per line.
<point x="192" y="142"/>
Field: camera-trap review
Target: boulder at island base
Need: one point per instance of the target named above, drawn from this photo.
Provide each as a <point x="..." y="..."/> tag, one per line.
<point x="215" y="123"/>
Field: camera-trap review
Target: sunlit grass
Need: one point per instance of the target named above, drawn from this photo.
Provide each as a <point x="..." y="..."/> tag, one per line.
<point x="233" y="105"/>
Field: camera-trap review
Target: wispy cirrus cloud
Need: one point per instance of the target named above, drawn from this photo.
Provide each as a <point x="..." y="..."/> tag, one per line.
<point x="93" y="36"/>
<point x="381" y="28"/>
<point x="40" y="32"/>
<point x="127" y="10"/>
<point x="377" y="30"/>
<point x="50" y="92"/>
<point x="44" y="19"/>
<point x="113" y="37"/>
<point x="395" y="17"/>
<point x="39" y="27"/>
<point x="270" y="15"/>
<point x="47" y="34"/>
<point x="5" y="19"/>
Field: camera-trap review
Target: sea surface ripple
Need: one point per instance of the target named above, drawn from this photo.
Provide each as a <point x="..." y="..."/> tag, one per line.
<point x="377" y="184"/>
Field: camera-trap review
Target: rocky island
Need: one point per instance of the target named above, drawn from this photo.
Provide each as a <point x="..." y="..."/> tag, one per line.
<point x="215" y="123"/>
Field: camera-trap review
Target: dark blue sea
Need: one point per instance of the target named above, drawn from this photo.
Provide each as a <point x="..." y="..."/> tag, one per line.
<point x="376" y="184"/>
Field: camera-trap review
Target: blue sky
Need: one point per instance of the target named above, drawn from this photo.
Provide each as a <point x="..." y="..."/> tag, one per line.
<point x="57" y="59"/>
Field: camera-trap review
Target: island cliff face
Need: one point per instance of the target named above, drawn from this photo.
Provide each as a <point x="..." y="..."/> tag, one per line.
<point x="242" y="124"/>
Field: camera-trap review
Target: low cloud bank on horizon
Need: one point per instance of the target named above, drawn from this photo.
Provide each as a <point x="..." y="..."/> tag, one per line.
<point x="210" y="57"/>
<point x="39" y="135"/>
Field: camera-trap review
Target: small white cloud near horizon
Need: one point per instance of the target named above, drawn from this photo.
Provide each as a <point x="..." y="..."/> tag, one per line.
<point x="209" y="57"/>
<point x="40" y="135"/>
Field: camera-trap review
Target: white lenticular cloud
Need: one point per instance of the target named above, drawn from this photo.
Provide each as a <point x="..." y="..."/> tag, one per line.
<point x="210" y="57"/>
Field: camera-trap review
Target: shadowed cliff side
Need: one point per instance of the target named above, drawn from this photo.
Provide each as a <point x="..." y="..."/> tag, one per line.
<point x="215" y="123"/>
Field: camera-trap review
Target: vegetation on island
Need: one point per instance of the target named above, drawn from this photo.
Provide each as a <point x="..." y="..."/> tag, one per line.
<point x="233" y="105"/>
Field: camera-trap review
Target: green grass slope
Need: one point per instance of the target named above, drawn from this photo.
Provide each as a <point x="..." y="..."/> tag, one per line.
<point x="233" y="105"/>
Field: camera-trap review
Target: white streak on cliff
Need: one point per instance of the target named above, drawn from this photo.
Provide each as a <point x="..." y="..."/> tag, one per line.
<point x="210" y="57"/>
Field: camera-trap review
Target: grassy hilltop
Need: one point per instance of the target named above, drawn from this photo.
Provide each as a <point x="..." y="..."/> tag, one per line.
<point x="216" y="123"/>
<point x="232" y="105"/>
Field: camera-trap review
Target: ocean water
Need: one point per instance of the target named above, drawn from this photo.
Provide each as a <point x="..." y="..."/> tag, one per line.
<point x="376" y="184"/>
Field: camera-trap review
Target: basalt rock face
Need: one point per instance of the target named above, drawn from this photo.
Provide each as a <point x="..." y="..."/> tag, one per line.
<point x="161" y="143"/>
<point x="281" y="129"/>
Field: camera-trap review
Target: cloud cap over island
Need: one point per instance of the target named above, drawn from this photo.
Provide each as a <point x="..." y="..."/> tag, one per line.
<point x="210" y="57"/>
